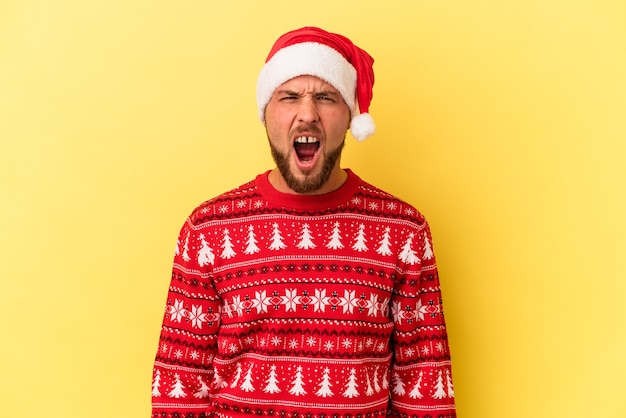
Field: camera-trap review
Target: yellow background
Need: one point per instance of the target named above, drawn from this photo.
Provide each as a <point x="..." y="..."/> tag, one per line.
<point x="503" y="121"/>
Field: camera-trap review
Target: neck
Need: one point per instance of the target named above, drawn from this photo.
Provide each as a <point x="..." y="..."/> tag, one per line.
<point x="334" y="182"/>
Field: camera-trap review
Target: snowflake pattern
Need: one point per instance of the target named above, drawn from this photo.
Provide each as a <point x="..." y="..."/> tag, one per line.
<point x="177" y="311"/>
<point x="292" y="301"/>
<point x="373" y="206"/>
<point x="197" y="316"/>
<point x="392" y="206"/>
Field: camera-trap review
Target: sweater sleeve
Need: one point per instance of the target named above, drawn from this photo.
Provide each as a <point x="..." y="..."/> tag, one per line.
<point x="421" y="380"/>
<point x="183" y="368"/>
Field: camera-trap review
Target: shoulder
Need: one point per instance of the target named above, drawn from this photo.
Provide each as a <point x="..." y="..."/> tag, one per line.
<point x="227" y="204"/>
<point x="377" y="201"/>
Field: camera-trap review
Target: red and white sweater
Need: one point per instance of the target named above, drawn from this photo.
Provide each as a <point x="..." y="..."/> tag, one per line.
<point x="304" y="306"/>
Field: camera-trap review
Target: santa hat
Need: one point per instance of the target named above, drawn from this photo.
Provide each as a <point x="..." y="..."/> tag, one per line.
<point x="329" y="56"/>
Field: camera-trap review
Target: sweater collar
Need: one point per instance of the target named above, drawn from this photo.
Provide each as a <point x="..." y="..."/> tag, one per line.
<point x="310" y="202"/>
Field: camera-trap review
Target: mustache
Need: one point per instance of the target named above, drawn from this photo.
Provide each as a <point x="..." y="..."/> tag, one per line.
<point x="308" y="128"/>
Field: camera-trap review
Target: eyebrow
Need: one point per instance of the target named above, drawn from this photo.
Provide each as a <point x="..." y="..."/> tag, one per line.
<point x="319" y="93"/>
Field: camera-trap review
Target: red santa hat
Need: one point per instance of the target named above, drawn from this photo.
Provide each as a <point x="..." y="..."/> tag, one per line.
<point x="329" y="56"/>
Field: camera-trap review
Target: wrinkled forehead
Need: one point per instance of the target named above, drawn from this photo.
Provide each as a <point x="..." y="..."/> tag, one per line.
<point x="307" y="84"/>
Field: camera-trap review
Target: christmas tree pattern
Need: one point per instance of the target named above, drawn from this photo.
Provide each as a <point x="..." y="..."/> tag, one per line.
<point x="272" y="381"/>
<point x="369" y="390"/>
<point x="335" y="238"/>
<point x="325" y="385"/>
<point x="237" y="376"/>
<point x="415" y="392"/>
<point x="351" y="386"/>
<point x="428" y="249"/>
<point x="440" y="392"/>
<point x="408" y="254"/>
<point x="298" y="383"/>
<point x="306" y="239"/>
<point x="398" y="384"/>
<point x="205" y="255"/>
<point x="277" y="239"/>
<point x="203" y="392"/>
<point x="178" y="390"/>
<point x="375" y="379"/>
<point x="227" y="245"/>
<point x="247" y="381"/>
<point x="449" y="384"/>
<point x="359" y="244"/>
<point x="385" y="243"/>
<point x="385" y="383"/>
<point x="218" y="381"/>
<point x="186" y="249"/>
<point x="251" y="242"/>
<point x="156" y="384"/>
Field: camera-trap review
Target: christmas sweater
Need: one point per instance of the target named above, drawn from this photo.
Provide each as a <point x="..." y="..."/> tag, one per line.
<point x="299" y="306"/>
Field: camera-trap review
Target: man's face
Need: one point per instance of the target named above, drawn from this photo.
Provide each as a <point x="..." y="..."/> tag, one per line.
<point x="306" y="122"/>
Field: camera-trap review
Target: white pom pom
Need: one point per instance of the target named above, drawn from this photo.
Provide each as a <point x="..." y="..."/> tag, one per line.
<point x="362" y="126"/>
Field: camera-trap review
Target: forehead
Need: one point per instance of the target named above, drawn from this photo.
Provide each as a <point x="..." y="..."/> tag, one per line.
<point x="307" y="83"/>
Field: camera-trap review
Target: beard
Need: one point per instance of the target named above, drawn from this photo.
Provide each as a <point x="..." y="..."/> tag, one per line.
<point x="310" y="183"/>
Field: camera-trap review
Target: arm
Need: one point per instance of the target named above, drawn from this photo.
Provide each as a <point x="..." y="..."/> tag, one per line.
<point x="183" y="369"/>
<point x="421" y="382"/>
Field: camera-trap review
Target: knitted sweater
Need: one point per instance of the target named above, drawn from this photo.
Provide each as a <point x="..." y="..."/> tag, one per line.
<point x="304" y="306"/>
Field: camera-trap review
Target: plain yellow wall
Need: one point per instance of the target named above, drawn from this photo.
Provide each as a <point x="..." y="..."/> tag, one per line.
<point x="504" y="122"/>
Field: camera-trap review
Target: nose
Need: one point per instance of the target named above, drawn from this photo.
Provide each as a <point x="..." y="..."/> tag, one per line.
<point x="307" y="112"/>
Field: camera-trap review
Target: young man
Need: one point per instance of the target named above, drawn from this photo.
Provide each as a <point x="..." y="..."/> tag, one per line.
<point x="306" y="292"/>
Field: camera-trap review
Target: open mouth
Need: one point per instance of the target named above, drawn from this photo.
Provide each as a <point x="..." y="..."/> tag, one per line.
<point x="306" y="147"/>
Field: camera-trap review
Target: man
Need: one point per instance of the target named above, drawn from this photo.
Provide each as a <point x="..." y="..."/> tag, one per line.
<point x="306" y="292"/>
